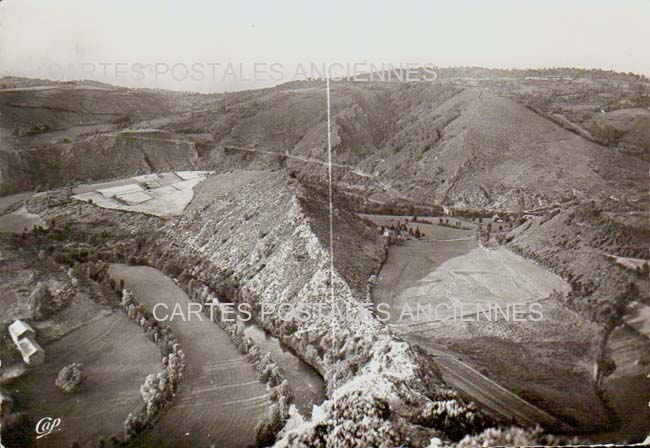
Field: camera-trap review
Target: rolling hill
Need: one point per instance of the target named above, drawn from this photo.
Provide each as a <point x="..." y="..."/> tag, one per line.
<point x="427" y="142"/>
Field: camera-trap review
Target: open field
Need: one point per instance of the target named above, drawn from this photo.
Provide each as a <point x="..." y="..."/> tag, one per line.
<point x="221" y="399"/>
<point x="457" y="273"/>
<point x="116" y="357"/>
<point x="164" y="194"/>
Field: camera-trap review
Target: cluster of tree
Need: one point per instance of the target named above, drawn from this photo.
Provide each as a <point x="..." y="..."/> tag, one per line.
<point x="268" y="371"/>
<point x="453" y="417"/>
<point x="454" y="225"/>
<point x="41" y="303"/>
<point x="600" y="231"/>
<point x="417" y="220"/>
<point x="550" y="72"/>
<point x="362" y="205"/>
<point x="122" y="121"/>
<point x="266" y="431"/>
<point x="35" y="129"/>
<point x="352" y="420"/>
<point x="158" y="389"/>
<point x="70" y="378"/>
<point x="404" y="228"/>
<point x="600" y="293"/>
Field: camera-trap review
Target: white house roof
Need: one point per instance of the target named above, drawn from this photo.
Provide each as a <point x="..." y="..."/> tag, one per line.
<point x="19" y="328"/>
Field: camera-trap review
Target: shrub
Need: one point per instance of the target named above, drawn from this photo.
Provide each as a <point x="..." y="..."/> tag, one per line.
<point x="70" y="378"/>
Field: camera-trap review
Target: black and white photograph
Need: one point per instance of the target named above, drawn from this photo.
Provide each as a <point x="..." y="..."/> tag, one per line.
<point x="341" y="224"/>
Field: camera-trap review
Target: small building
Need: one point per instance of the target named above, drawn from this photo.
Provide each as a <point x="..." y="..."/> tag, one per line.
<point x="24" y="337"/>
<point x="20" y="329"/>
<point x="32" y="353"/>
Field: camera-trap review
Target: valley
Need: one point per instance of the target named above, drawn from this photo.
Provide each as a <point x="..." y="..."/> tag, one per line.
<point x="450" y="195"/>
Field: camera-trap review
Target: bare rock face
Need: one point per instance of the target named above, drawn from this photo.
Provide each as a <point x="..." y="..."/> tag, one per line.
<point x="263" y="239"/>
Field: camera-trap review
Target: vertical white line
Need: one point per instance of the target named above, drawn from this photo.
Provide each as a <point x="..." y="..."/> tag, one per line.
<point x="331" y="210"/>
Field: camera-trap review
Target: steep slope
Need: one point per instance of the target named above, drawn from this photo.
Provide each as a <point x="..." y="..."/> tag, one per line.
<point x="493" y="152"/>
<point x="426" y="141"/>
<point x="431" y="142"/>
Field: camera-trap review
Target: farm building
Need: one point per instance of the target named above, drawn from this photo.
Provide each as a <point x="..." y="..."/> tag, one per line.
<point x="23" y="336"/>
<point x="31" y="351"/>
<point x="20" y="329"/>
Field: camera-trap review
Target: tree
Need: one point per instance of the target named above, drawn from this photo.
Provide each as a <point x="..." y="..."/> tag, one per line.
<point x="70" y="378"/>
<point x="41" y="302"/>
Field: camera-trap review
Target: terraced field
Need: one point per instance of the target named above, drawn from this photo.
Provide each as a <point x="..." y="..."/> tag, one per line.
<point x="221" y="399"/>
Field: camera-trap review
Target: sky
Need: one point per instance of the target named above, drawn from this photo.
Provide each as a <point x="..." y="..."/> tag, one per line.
<point x="212" y="45"/>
